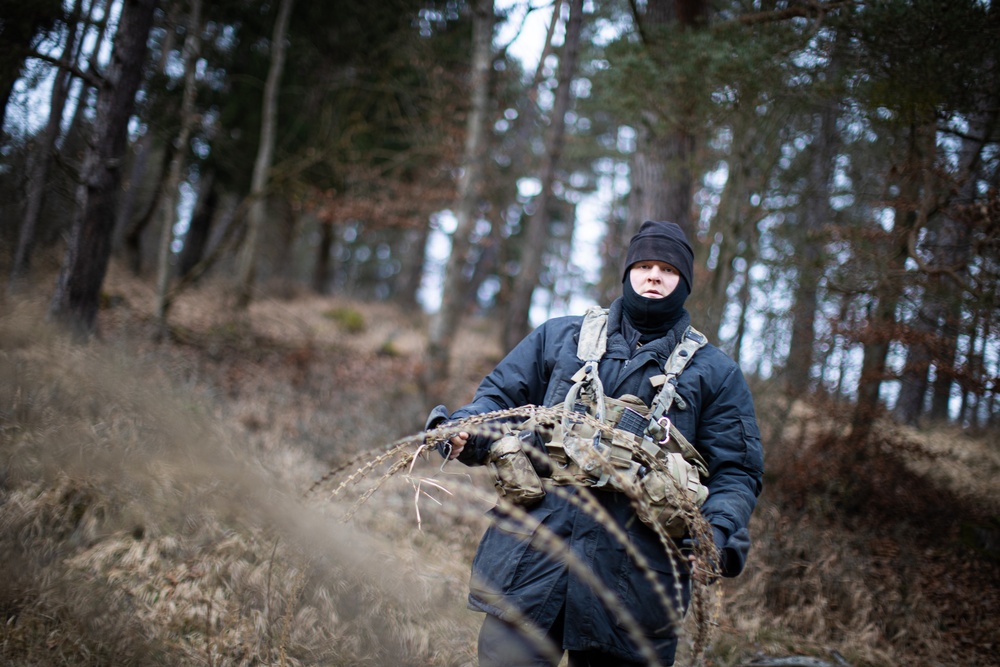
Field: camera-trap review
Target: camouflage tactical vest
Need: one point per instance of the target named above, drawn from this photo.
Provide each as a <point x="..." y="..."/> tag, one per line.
<point x="642" y="452"/>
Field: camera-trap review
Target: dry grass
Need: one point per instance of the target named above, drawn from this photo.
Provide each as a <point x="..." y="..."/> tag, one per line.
<point x="152" y="507"/>
<point x="137" y="529"/>
<point x="874" y="562"/>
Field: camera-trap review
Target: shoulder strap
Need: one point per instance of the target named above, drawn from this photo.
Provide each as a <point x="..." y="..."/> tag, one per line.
<point x="659" y="428"/>
<point x="592" y="345"/>
<point x="593" y="334"/>
<point x="692" y="341"/>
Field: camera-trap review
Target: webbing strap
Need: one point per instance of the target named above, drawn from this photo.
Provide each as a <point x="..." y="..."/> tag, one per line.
<point x="590" y="348"/>
<point x="593" y="341"/>
<point x="592" y="345"/>
<point x="692" y="341"/>
<point x="656" y="431"/>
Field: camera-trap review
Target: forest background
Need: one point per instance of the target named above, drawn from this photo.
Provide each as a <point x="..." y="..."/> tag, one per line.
<point x="246" y="202"/>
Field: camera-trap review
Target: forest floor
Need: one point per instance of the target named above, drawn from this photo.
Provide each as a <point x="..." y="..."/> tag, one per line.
<point x="164" y="502"/>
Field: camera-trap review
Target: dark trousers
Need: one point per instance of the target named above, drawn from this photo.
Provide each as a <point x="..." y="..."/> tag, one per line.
<point x="504" y="645"/>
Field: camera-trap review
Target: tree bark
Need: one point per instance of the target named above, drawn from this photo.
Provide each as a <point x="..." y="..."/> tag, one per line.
<point x="662" y="176"/>
<point x="196" y="238"/>
<point x="133" y="242"/>
<point x="129" y="229"/>
<point x="453" y="292"/>
<point x="741" y="325"/>
<point x="517" y="324"/>
<point x="22" y="23"/>
<point x="881" y="327"/>
<point x="613" y="247"/>
<point x="321" y="272"/>
<point x="810" y="257"/>
<point x="262" y="165"/>
<point x="39" y="171"/>
<point x="913" y="382"/>
<point x="407" y="281"/>
<point x="192" y="47"/>
<point x="75" y="140"/>
<point x="734" y="226"/>
<point x="935" y="331"/>
<point x="75" y="300"/>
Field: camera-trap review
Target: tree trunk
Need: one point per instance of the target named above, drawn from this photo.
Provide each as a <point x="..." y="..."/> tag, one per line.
<point x="290" y="224"/>
<point x="517" y="324"/>
<point x="192" y="47"/>
<point x="914" y="381"/>
<point x="21" y="24"/>
<point x="881" y="327"/>
<point x="734" y="227"/>
<point x="75" y="139"/>
<point x="613" y="248"/>
<point x="662" y="177"/>
<point x="453" y="291"/>
<point x="523" y="161"/>
<point x="969" y="381"/>
<point x="487" y="263"/>
<point x="231" y="222"/>
<point x="810" y="256"/>
<point x="412" y="252"/>
<point x="75" y="300"/>
<point x="741" y="325"/>
<point x="947" y="344"/>
<point x="321" y="272"/>
<point x="954" y="250"/>
<point x="132" y="243"/>
<point x="39" y="171"/>
<point x="129" y="229"/>
<point x="847" y="317"/>
<point x="196" y="238"/>
<point x="935" y="333"/>
<point x="262" y="165"/>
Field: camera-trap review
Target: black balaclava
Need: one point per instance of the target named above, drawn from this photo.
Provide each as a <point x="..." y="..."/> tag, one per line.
<point x="653" y="318"/>
<point x="663" y="242"/>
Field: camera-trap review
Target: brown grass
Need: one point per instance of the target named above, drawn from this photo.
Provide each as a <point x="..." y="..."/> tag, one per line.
<point x="137" y="528"/>
<point x="152" y="506"/>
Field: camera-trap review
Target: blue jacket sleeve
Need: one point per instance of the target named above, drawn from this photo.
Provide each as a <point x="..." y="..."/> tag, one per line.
<point x="519" y="379"/>
<point x="728" y="434"/>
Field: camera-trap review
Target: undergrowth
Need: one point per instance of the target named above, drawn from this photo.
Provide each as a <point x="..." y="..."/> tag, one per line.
<point x="152" y="507"/>
<point x="135" y="530"/>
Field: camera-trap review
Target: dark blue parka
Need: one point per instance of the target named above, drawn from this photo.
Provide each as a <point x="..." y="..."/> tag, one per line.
<point x="718" y="418"/>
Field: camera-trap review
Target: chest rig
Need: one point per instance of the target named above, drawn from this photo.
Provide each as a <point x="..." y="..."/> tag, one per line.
<point x="642" y="450"/>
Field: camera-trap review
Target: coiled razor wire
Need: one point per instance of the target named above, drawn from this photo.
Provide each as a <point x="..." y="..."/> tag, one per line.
<point x="705" y="604"/>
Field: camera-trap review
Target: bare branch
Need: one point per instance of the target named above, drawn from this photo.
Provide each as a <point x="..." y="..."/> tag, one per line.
<point x="638" y="22"/>
<point x="950" y="271"/>
<point x="803" y="10"/>
<point x="91" y="77"/>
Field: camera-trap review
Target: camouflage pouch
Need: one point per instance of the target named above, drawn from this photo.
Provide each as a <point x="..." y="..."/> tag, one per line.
<point x="666" y="493"/>
<point x="513" y="475"/>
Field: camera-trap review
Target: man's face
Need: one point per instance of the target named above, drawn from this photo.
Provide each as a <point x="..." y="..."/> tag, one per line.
<point x="653" y="279"/>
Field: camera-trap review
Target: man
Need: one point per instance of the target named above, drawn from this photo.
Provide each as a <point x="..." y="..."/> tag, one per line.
<point x="518" y="582"/>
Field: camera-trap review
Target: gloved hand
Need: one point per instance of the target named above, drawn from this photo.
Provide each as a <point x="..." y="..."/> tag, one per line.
<point x="688" y="545"/>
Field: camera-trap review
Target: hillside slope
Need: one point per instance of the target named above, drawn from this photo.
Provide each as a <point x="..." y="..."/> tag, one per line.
<point x="155" y="504"/>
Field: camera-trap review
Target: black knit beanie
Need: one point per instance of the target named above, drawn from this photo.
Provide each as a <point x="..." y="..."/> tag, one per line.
<point x="662" y="242"/>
